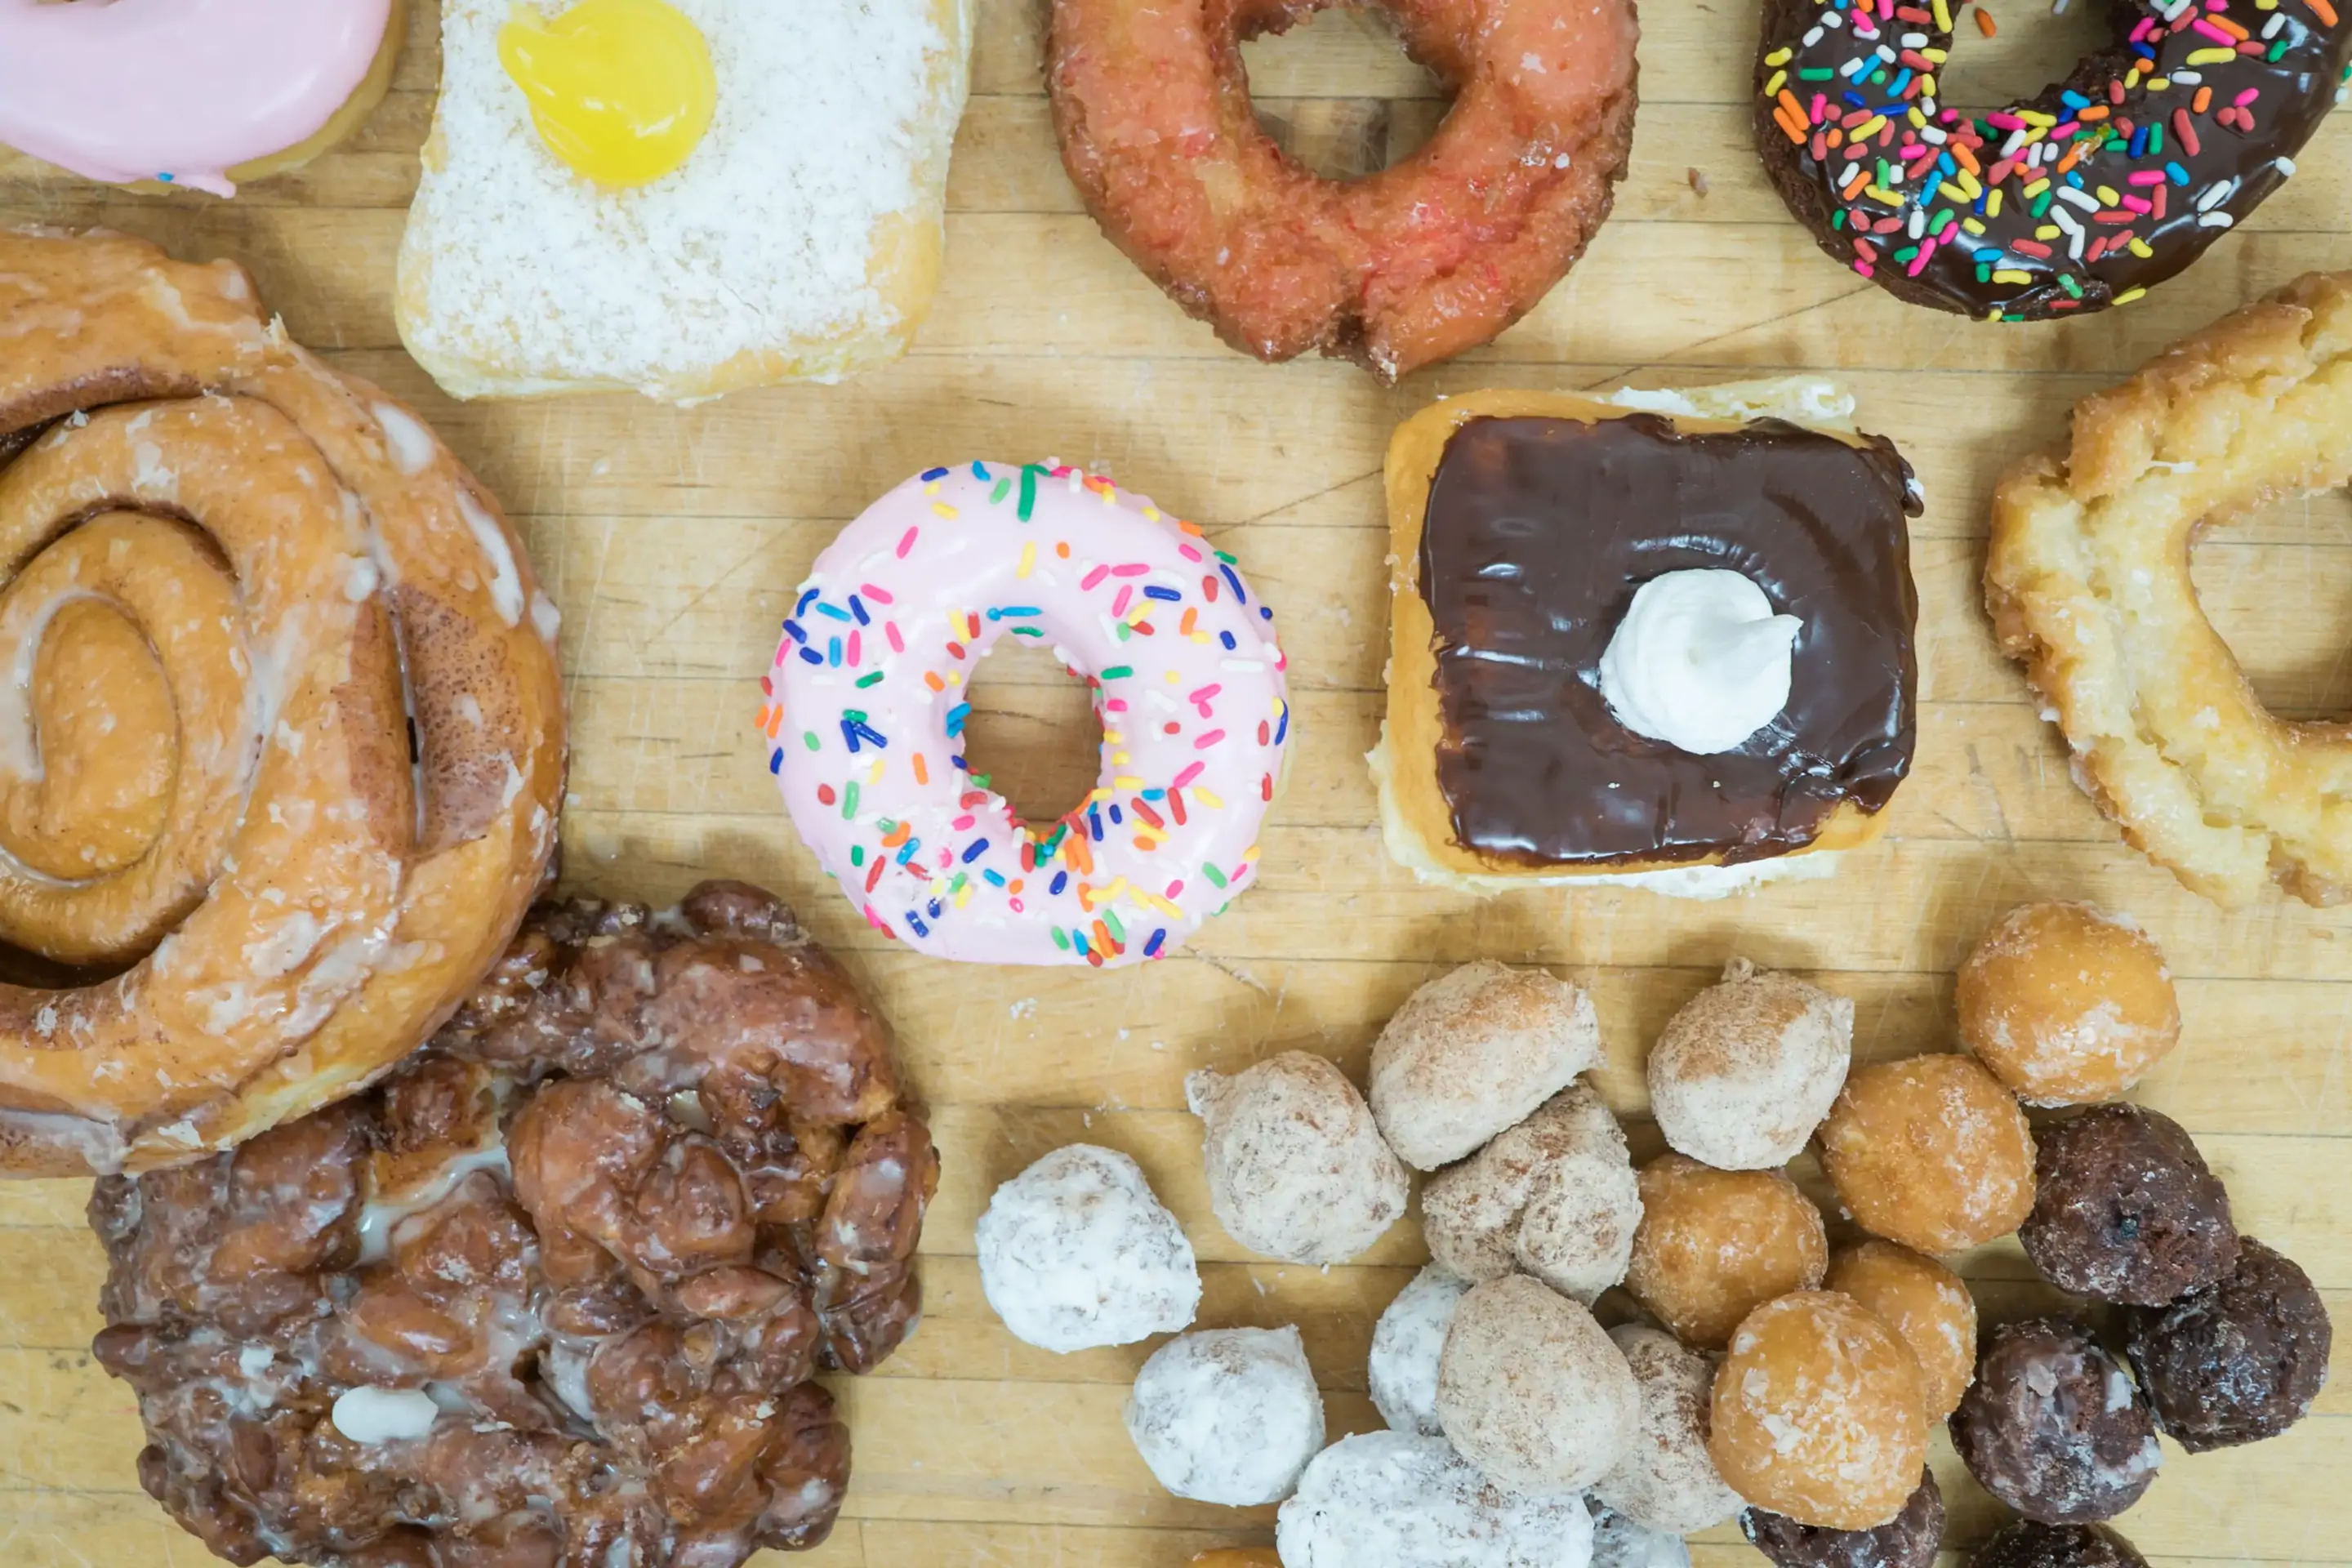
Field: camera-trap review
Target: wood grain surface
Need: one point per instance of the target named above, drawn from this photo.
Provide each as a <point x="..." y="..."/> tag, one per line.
<point x="672" y="541"/>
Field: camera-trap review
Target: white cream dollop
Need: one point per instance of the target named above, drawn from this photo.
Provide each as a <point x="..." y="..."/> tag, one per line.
<point x="1700" y="661"/>
<point x="385" y="1414"/>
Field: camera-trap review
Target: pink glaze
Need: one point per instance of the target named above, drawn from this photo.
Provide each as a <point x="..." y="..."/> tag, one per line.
<point x="1188" y="685"/>
<point x="181" y="90"/>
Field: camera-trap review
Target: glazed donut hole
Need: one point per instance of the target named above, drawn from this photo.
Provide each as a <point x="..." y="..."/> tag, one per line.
<point x="1815" y="1413"/>
<point x="2067" y="1003"/>
<point x="1925" y="1303"/>
<point x="1295" y="1166"/>
<point x="2126" y="1210"/>
<point x="2054" y="1426"/>
<point x="1930" y="1151"/>
<point x="1742" y="1075"/>
<point x="2022" y="1543"/>
<point x="1713" y="1245"/>
<point x="1909" y="1539"/>
<point x="2236" y="1361"/>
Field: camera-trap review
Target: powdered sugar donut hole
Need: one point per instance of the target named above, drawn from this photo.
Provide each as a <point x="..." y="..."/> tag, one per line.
<point x="1297" y="1167"/>
<point x="1667" y="1481"/>
<point x="1746" y="1071"/>
<point x="1555" y="1196"/>
<point x="1406" y="1343"/>
<point x="1474" y="1052"/>
<point x="1227" y="1416"/>
<point x="1075" y="1253"/>
<point x="1531" y="1391"/>
<point x="1402" y="1501"/>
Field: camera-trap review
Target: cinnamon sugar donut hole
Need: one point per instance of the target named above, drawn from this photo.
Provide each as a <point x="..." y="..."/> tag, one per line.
<point x="1295" y="1166"/>
<point x="2067" y="1003"/>
<point x="1816" y="1412"/>
<point x="1713" y="1245"/>
<point x="1667" y="1481"/>
<point x="1931" y="1151"/>
<point x="1475" y="1052"/>
<point x="1532" y="1391"/>
<point x="1925" y="1302"/>
<point x="1744" y="1073"/>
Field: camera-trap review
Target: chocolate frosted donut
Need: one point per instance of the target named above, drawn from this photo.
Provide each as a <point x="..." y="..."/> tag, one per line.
<point x="1909" y="1539"/>
<point x="2237" y="1360"/>
<point x="558" y="1289"/>
<point x="2025" y="1544"/>
<point x="2053" y="1426"/>
<point x="2100" y="187"/>
<point x="2124" y="1209"/>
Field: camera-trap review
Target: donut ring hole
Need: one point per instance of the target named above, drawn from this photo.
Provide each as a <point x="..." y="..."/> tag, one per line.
<point x="1034" y="733"/>
<point x="2036" y="47"/>
<point x="2275" y="581"/>
<point x="1394" y="104"/>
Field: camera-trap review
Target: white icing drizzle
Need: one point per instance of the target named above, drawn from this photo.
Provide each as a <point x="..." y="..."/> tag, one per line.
<point x="367" y="1414"/>
<point x="410" y="443"/>
<point x="380" y="1215"/>
<point x="20" y="746"/>
<point x="505" y="580"/>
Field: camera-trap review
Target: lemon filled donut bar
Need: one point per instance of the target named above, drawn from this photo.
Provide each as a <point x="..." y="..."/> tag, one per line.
<point x="682" y="199"/>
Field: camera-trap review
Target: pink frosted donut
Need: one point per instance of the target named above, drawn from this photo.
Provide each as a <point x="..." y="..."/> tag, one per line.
<point x="184" y="91"/>
<point x="866" y="707"/>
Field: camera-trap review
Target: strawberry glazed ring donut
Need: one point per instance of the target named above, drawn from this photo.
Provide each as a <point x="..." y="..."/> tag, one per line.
<point x="868" y="701"/>
<point x="1402" y="267"/>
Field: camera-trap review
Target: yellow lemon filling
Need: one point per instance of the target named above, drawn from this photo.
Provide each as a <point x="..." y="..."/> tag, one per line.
<point x="620" y="91"/>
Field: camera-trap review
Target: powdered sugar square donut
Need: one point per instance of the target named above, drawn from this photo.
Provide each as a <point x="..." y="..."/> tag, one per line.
<point x="799" y="240"/>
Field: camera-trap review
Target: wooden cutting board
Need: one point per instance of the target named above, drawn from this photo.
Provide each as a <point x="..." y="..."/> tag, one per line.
<point x="672" y="541"/>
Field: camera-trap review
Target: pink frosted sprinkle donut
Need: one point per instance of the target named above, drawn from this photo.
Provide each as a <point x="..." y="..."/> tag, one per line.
<point x="867" y="705"/>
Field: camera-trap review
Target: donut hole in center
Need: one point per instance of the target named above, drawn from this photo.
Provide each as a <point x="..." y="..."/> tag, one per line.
<point x="100" y="713"/>
<point x="2276" y="583"/>
<point x="1339" y="95"/>
<point x="1031" y="732"/>
<point x="2036" y="45"/>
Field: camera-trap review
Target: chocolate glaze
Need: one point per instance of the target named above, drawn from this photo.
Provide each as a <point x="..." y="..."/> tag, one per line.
<point x="2293" y="74"/>
<point x="1538" y="533"/>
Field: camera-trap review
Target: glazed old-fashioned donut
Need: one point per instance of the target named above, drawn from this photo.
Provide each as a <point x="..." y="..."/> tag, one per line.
<point x="201" y="95"/>
<point x="281" y="764"/>
<point x="864" y="721"/>
<point x="549" y="1295"/>
<point x="1419" y="261"/>
<point x="2087" y="581"/>
<point x="2085" y="196"/>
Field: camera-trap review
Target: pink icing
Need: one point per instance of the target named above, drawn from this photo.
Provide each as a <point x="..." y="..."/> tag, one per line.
<point x="179" y="89"/>
<point x="1189" y="687"/>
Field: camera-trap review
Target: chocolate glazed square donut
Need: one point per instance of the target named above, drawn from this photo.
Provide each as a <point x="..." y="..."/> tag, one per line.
<point x="1524" y="524"/>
